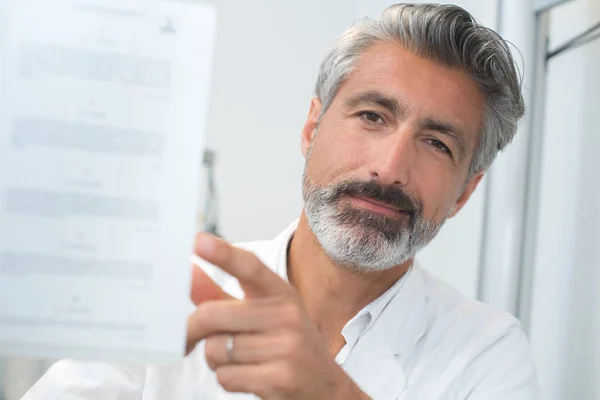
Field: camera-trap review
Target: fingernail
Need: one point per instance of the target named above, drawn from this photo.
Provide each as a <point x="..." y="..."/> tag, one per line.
<point x="205" y="245"/>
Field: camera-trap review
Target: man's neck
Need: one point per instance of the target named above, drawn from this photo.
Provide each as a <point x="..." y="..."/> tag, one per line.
<point x="331" y="293"/>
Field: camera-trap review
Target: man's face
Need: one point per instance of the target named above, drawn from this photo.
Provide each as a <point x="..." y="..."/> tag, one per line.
<point x="389" y="159"/>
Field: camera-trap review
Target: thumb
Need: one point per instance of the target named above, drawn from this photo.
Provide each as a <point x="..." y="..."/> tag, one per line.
<point x="204" y="288"/>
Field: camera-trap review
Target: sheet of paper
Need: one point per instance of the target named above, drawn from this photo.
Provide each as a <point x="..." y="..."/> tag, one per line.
<point x="102" y="115"/>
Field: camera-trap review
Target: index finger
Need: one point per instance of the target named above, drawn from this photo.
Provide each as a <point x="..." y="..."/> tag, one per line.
<point x="256" y="279"/>
<point x="204" y="288"/>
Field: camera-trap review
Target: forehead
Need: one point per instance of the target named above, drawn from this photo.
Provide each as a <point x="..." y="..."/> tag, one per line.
<point x="425" y="88"/>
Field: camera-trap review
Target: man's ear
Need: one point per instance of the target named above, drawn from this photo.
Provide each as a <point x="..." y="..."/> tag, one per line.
<point x="466" y="194"/>
<point x="310" y="126"/>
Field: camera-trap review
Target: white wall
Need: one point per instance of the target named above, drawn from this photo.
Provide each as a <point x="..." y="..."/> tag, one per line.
<point x="565" y="328"/>
<point x="266" y="63"/>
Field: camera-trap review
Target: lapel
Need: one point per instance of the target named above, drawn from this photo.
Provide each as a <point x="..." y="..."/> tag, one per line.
<point x="372" y="362"/>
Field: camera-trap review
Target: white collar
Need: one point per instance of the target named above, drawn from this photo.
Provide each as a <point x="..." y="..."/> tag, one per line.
<point x="400" y="321"/>
<point x="405" y="297"/>
<point x="388" y="327"/>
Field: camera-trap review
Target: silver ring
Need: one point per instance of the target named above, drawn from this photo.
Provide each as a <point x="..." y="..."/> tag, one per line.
<point x="229" y="348"/>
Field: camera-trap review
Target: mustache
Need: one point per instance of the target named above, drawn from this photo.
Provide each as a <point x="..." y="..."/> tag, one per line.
<point x="388" y="194"/>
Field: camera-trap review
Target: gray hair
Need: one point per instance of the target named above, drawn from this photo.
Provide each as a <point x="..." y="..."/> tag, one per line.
<point x="448" y="35"/>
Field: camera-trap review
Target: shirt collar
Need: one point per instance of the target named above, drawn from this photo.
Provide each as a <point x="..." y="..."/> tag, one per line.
<point x="283" y="240"/>
<point x="376" y="307"/>
<point x="388" y="327"/>
<point x="406" y="302"/>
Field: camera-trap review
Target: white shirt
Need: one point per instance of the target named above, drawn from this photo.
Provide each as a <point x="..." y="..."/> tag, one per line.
<point x="419" y="340"/>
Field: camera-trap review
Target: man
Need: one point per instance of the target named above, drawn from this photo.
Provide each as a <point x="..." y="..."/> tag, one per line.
<point x="410" y="111"/>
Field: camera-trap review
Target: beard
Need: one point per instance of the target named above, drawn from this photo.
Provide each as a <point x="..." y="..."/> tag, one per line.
<point x="359" y="239"/>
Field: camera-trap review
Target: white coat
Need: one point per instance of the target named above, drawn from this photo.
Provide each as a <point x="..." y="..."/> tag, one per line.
<point x="421" y="340"/>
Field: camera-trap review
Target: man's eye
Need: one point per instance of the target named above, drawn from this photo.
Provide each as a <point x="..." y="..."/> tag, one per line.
<point x="439" y="146"/>
<point x="371" y="117"/>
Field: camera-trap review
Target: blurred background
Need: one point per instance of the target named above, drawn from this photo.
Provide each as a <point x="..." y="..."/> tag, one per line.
<point x="535" y="253"/>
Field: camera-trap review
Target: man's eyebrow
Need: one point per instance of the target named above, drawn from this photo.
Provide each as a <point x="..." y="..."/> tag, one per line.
<point x="375" y="97"/>
<point x="450" y="130"/>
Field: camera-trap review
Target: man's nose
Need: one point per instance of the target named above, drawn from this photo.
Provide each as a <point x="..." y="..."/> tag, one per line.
<point x="392" y="159"/>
